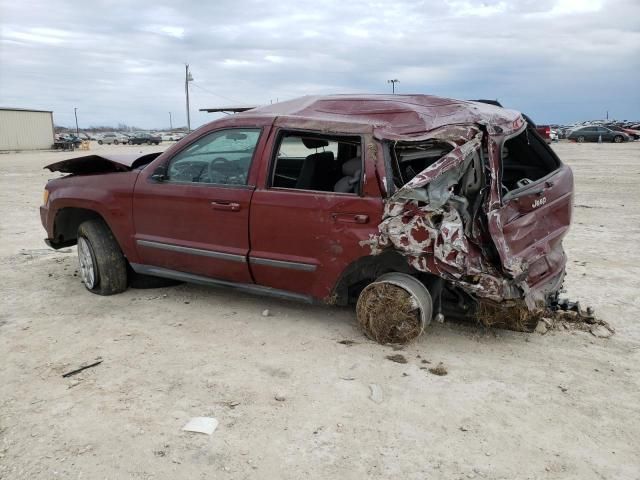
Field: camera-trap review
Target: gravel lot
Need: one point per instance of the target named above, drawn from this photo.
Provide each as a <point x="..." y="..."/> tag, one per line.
<point x="565" y="405"/>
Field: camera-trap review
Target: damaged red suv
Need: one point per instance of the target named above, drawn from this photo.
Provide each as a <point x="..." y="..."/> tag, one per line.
<point x="318" y="197"/>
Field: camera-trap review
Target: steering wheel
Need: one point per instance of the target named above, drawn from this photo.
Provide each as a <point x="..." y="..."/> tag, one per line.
<point x="219" y="161"/>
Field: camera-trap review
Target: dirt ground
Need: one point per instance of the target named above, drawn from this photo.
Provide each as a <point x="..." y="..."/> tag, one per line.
<point x="565" y="405"/>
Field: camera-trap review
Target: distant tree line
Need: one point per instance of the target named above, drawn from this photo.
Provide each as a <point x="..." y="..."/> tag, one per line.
<point x="107" y="128"/>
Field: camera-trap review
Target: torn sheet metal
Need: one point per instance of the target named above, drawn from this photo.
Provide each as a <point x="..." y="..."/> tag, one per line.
<point x="425" y="221"/>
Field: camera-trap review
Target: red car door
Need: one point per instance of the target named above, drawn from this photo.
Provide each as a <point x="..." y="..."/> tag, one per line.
<point x="191" y="210"/>
<point x="534" y="214"/>
<point x="304" y="235"/>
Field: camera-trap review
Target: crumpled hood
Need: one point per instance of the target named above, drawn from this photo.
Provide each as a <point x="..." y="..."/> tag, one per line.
<point x="102" y="163"/>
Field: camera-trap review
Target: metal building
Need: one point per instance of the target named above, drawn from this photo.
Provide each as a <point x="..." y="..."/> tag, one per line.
<point x="23" y="129"/>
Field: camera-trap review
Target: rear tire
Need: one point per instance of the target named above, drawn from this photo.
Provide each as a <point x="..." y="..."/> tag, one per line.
<point x="99" y="142"/>
<point x="580" y="139"/>
<point x="103" y="268"/>
<point x="395" y="308"/>
<point x="115" y="142"/>
<point x="618" y="139"/>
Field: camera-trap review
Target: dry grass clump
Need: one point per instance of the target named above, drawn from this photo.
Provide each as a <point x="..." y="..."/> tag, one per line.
<point x="386" y="314"/>
<point x="515" y="315"/>
<point x="509" y="315"/>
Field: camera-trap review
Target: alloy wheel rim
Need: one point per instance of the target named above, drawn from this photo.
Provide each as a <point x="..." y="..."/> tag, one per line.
<point x="87" y="270"/>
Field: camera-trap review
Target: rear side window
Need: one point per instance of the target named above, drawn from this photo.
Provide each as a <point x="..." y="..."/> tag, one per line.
<point x="221" y="158"/>
<point x="525" y="159"/>
<point x="319" y="163"/>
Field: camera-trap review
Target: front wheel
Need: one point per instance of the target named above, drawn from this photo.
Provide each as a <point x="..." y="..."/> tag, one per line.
<point x="618" y="139"/>
<point x="115" y="142"/>
<point x="99" y="142"/>
<point x="130" y="142"/>
<point x="580" y="139"/>
<point x="103" y="268"/>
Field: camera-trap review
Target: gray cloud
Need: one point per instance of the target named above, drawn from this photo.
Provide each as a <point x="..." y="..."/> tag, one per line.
<point x="559" y="60"/>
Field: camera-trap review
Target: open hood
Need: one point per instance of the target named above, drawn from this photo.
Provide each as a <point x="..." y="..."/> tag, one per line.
<point x="102" y="163"/>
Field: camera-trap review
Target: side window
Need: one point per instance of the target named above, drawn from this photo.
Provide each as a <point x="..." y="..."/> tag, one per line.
<point x="222" y="158"/>
<point x="322" y="163"/>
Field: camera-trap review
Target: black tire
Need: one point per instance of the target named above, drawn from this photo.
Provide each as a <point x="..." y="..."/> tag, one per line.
<point x="618" y="139"/>
<point x="115" y="142"/>
<point x="130" y="142"/>
<point x="99" y="142"/>
<point x="157" y="143"/>
<point x="148" y="142"/>
<point x="580" y="139"/>
<point x="109" y="264"/>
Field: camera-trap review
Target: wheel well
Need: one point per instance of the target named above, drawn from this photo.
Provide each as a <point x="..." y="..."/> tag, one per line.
<point x="365" y="270"/>
<point x="65" y="227"/>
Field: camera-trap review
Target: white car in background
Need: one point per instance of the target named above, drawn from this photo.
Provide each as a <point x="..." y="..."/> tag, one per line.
<point x="170" y="137"/>
<point x="112" y="138"/>
<point x="553" y="135"/>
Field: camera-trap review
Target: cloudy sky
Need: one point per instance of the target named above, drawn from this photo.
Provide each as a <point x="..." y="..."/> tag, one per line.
<point x="122" y="61"/>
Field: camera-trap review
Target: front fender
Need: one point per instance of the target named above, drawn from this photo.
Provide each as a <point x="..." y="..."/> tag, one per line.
<point x="108" y="195"/>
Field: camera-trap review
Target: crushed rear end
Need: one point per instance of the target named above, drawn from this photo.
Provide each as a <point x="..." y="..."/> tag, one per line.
<point x="483" y="205"/>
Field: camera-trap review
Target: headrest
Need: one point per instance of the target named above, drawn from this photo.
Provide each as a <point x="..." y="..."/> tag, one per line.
<point x="314" y="143"/>
<point x="351" y="167"/>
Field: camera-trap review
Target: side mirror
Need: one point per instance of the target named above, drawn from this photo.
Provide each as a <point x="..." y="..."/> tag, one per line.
<point x="160" y="174"/>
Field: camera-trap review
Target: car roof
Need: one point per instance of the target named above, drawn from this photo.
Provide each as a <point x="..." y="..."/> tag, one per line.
<point x="387" y="116"/>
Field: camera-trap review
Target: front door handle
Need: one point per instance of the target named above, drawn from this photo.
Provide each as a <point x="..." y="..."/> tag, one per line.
<point x="351" y="218"/>
<point x="228" y="206"/>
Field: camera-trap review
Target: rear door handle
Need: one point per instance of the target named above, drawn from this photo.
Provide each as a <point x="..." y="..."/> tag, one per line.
<point x="350" y="218"/>
<point x="228" y="206"/>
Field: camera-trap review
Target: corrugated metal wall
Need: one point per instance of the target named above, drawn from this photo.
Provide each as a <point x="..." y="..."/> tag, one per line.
<point x="25" y="130"/>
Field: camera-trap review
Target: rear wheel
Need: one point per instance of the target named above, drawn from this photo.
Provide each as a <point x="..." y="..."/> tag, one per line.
<point x="103" y="268"/>
<point x="115" y="142"/>
<point x="130" y="142"/>
<point x="99" y="142"/>
<point x="395" y="308"/>
<point x="618" y="139"/>
<point x="580" y="139"/>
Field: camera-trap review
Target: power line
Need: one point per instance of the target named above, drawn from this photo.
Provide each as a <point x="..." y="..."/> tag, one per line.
<point x="216" y="94"/>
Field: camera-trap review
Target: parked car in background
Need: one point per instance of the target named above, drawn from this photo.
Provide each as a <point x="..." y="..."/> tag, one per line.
<point x="545" y="132"/>
<point x="142" y="137"/>
<point x="66" y="142"/>
<point x="632" y="131"/>
<point x="595" y="133"/>
<point x="171" y="137"/>
<point x="304" y="200"/>
<point x="112" y="138"/>
<point x="554" y="135"/>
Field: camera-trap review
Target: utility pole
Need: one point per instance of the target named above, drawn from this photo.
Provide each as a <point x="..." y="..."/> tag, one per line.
<point x="393" y="84"/>
<point x="170" y="122"/>
<point x="187" y="78"/>
<point x="75" y="112"/>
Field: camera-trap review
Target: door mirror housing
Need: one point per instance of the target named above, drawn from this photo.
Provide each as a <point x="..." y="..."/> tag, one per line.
<point x="160" y="174"/>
